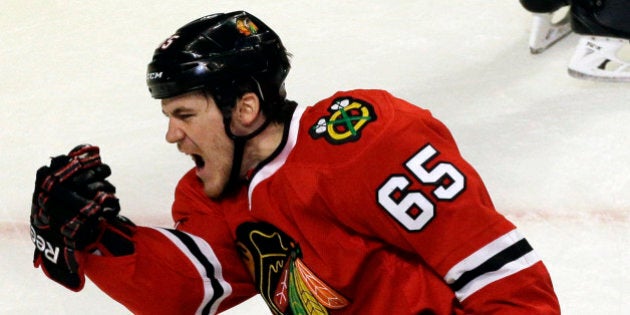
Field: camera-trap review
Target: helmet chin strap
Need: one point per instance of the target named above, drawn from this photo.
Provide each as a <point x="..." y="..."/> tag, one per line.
<point x="237" y="158"/>
<point x="235" y="180"/>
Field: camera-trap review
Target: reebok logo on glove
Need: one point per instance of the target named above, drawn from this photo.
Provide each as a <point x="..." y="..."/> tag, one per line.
<point x="50" y="252"/>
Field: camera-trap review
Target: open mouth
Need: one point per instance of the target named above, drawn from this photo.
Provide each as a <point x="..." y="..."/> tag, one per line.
<point x="199" y="162"/>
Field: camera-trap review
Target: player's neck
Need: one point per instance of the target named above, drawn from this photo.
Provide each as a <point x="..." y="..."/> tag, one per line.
<point x="262" y="145"/>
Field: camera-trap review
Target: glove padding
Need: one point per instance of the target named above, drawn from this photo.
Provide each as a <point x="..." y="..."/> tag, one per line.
<point x="75" y="208"/>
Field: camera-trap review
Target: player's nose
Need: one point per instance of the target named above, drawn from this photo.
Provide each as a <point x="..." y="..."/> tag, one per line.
<point x="174" y="134"/>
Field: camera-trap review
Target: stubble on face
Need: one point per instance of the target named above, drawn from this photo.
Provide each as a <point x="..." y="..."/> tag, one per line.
<point x="197" y="123"/>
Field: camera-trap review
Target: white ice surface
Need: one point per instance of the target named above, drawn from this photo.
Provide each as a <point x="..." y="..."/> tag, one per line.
<point x="554" y="151"/>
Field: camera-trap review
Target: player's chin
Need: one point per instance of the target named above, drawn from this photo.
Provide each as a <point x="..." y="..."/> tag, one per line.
<point x="212" y="188"/>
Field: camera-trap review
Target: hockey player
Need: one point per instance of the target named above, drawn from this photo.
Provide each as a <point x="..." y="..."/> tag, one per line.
<point x="604" y="30"/>
<point x="359" y="204"/>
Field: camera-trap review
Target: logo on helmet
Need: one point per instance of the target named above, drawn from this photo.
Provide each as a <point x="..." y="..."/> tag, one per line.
<point x="246" y="27"/>
<point x="154" y="75"/>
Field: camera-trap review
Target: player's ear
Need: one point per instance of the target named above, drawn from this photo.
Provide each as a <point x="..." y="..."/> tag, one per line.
<point x="247" y="111"/>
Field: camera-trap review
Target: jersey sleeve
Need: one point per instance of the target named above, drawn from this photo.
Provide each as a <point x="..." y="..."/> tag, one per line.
<point x="429" y="202"/>
<point x="191" y="269"/>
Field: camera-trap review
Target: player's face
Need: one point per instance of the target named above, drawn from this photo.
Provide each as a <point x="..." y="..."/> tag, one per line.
<point x="195" y="124"/>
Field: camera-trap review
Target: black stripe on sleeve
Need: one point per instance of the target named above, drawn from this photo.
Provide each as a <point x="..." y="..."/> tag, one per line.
<point x="194" y="249"/>
<point x="512" y="253"/>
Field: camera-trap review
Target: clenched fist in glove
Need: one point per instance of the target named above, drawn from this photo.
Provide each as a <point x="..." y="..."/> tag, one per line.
<point x="74" y="208"/>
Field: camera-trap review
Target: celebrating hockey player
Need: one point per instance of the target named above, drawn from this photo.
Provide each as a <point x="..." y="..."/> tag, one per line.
<point x="604" y="29"/>
<point x="358" y="204"/>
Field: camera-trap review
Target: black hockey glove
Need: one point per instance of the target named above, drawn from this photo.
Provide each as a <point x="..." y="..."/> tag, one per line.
<point x="75" y="209"/>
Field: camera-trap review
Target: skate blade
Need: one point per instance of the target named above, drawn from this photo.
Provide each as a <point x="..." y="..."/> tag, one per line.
<point x="542" y="48"/>
<point x="545" y="33"/>
<point x="586" y="76"/>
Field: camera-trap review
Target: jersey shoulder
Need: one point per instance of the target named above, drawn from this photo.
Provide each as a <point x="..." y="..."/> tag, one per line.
<point x="350" y="122"/>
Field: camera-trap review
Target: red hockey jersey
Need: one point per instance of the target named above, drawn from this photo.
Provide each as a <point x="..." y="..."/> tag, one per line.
<point x="368" y="208"/>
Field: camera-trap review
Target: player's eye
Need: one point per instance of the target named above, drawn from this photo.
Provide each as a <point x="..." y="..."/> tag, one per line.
<point x="184" y="116"/>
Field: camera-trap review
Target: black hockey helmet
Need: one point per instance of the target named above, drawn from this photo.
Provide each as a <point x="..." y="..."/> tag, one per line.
<point x="215" y="52"/>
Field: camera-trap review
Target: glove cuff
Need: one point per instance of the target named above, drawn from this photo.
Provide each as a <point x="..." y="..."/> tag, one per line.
<point x="72" y="279"/>
<point x="115" y="238"/>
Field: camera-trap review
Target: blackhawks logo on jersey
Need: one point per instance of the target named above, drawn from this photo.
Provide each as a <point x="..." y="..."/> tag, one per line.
<point x="347" y="119"/>
<point x="286" y="284"/>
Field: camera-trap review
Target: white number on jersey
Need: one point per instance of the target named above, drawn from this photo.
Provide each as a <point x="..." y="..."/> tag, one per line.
<point x="412" y="209"/>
